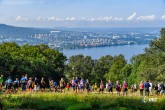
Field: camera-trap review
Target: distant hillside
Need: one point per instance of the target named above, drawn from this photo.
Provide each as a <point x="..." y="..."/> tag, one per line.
<point x="7" y="30"/>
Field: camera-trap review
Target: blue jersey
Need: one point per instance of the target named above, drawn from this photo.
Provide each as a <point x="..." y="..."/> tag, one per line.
<point x="76" y="81"/>
<point x="23" y="80"/>
<point x="16" y="82"/>
<point x="83" y="81"/>
<point x="146" y="85"/>
<point x="55" y="83"/>
<point x="110" y="85"/>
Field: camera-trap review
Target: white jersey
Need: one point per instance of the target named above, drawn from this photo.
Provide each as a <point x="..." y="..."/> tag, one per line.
<point x="135" y="86"/>
<point x="150" y="85"/>
<point x="106" y="85"/>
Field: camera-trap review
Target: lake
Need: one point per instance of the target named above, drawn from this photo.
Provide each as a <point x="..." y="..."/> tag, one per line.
<point x="96" y="52"/>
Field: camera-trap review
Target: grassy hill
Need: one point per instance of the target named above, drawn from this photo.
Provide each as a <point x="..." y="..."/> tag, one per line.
<point x="60" y="101"/>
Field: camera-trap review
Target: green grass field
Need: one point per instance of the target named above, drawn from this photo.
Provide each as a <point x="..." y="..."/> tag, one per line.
<point x="72" y="101"/>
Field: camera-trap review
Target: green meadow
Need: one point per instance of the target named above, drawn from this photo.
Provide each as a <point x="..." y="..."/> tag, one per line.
<point x="68" y="101"/>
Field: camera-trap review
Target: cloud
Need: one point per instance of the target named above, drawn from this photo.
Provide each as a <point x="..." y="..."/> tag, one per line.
<point x="105" y="19"/>
<point x="90" y="19"/>
<point x="82" y="19"/>
<point x="118" y="19"/>
<point x="39" y="18"/>
<point x="64" y="19"/>
<point x="146" y="18"/>
<point x="70" y="19"/>
<point x="20" y="18"/>
<point x="131" y="17"/>
<point x="93" y="19"/>
<point x="163" y="17"/>
<point x="54" y="19"/>
<point x="99" y="19"/>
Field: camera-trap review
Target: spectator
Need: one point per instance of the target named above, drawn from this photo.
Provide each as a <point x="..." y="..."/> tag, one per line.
<point x="118" y="88"/>
<point x="141" y="86"/>
<point x="62" y="85"/>
<point x="9" y="85"/>
<point x="110" y="86"/>
<point x="146" y="86"/>
<point x="125" y="88"/>
<point x="101" y="86"/>
<point x="16" y="85"/>
<point x="43" y="85"/>
<point x="156" y="89"/>
<point x="162" y="88"/>
<point x="23" y="83"/>
<point x="150" y="88"/>
<point x="87" y="86"/>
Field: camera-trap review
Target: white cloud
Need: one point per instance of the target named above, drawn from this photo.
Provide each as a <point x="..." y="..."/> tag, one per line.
<point x="40" y="18"/>
<point x="107" y="18"/>
<point x="70" y="19"/>
<point x="163" y="17"/>
<point x="51" y="18"/>
<point x="54" y="19"/>
<point x="131" y="17"/>
<point x="61" y="19"/>
<point x="103" y="19"/>
<point x="118" y="19"/>
<point x="20" y="18"/>
<point x="91" y="19"/>
<point x="82" y="19"/>
<point x="146" y="18"/>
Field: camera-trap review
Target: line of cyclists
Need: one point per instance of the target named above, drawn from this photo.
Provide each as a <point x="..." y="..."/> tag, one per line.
<point x="78" y="86"/>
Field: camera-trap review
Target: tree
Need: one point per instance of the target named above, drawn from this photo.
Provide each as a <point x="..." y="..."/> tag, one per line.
<point x="150" y="65"/>
<point x="37" y="60"/>
<point x="79" y="66"/>
<point x="116" y="71"/>
<point x="101" y="67"/>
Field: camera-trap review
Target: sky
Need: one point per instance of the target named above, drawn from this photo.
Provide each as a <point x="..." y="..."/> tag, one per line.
<point x="83" y="13"/>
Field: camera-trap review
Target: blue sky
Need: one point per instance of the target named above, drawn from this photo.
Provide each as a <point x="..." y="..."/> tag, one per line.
<point x="83" y="13"/>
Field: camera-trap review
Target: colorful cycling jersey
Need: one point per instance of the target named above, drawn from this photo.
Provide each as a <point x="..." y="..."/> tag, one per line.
<point x="82" y="82"/>
<point x="141" y="86"/>
<point x="16" y="82"/>
<point x="125" y="85"/>
<point x="23" y="80"/>
<point x="73" y="82"/>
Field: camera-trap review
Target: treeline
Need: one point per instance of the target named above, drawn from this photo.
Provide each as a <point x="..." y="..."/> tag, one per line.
<point x="35" y="61"/>
<point x="41" y="61"/>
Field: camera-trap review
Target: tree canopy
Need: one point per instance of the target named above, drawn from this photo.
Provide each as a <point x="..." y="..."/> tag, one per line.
<point x="36" y="61"/>
<point x="151" y="64"/>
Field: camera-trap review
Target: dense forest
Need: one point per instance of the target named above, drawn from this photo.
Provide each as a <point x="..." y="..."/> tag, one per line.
<point x="42" y="61"/>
